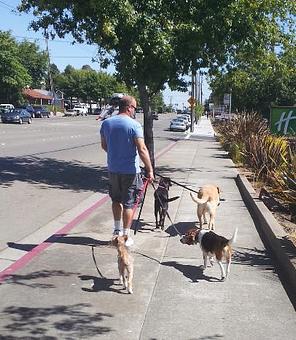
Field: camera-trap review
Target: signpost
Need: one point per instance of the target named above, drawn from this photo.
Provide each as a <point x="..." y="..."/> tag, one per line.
<point x="283" y="120"/>
<point x="192" y="102"/>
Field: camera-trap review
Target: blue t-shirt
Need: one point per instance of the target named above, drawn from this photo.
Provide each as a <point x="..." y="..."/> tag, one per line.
<point x="119" y="133"/>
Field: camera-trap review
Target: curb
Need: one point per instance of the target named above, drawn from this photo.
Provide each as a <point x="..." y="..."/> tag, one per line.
<point x="271" y="233"/>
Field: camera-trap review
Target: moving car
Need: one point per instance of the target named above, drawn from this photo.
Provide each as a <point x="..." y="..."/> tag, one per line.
<point x="41" y="111"/>
<point x="81" y="110"/>
<point x="70" y="113"/>
<point x="17" y="116"/>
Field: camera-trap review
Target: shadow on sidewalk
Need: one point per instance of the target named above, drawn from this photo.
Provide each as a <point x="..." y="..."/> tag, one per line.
<point x="62" y="238"/>
<point x="194" y="273"/>
<point x="101" y="284"/>
<point x="53" y="173"/>
<point x="180" y="227"/>
<point x="72" y="322"/>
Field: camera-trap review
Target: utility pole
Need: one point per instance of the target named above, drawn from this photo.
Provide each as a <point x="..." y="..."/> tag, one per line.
<point x="49" y="75"/>
<point x="201" y="80"/>
<point x="193" y="95"/>
<point x="230" y="93"/>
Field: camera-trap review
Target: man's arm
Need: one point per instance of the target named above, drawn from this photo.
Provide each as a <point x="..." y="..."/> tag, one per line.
<point x="103" y="143"/>
<point x="144" y="155"/>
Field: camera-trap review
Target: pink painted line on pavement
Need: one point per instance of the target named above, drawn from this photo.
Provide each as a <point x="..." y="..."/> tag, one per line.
<point x="21" y="262"/>
<point x="42" y="246"/>
<point x="161" y="152"/>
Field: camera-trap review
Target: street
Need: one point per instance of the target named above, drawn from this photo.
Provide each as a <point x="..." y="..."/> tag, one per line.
<point x="50" y="166"/>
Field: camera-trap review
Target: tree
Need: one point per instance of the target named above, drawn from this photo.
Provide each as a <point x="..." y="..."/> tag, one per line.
<point x="156" y="42"/>
<point x="54" y="72"/>
<point x="88" y="85"/>
<point x="267" y="78"/>
<point x="13" y="75"/>
<point x="35" y="62"/>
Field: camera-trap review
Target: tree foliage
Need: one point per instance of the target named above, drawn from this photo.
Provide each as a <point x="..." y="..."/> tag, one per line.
<point x="156" y="42"/>
<point x="35" y="62"/>
<point x="14" y="75"/>
<point x="256" y="82"/>
<point x="88" y="84"/>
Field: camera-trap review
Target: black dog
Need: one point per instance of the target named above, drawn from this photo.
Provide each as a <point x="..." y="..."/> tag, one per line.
<point x="161" y="200"/>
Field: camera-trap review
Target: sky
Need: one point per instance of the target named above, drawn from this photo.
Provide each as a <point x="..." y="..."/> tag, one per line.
<point x="62" y="52"/>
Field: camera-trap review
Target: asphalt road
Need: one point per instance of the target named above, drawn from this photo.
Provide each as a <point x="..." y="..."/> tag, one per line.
<point x="52" y="165"/>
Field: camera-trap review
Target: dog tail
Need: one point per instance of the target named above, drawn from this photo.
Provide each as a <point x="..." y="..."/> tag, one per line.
<point x="233" y="238"/>
<point x="173" y="199"/>
<point x="199" y="200"/>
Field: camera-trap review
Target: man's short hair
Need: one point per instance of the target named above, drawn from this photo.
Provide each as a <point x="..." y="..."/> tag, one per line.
<point x="125" y="102"/>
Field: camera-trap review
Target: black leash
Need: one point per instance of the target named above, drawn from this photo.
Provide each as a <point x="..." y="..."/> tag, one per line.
<point x="167" y="213"/>
<point x="184" y="186"/>
<point x="180" y="185"/>
<point x="95" y="262"/>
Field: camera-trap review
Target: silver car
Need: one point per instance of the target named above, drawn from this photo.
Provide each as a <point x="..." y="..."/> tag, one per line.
<point x="178" y="125"/>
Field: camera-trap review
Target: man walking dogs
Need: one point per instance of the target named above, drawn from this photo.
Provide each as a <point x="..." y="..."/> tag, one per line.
<point x="122" y="139"/>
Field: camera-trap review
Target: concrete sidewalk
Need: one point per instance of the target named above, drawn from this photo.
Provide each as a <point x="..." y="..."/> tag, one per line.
<point x="60" y="294"/>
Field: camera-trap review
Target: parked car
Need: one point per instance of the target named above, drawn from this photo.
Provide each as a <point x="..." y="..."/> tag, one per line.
<point x="17" y="116"/>
<point x="178" y="125"/>
<point x="29" y="108"/>
<point x="41" y="111"/>
<point x="185" y="118"/>
<point x="6" y="106"/>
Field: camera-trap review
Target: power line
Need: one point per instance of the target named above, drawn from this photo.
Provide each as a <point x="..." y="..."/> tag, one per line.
<point x="71" y="57"/>
<point x="2" y="2"/>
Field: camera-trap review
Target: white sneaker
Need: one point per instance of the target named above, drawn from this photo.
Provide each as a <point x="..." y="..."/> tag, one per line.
<point x="129" y="242"/>
<point x="117" y="232"/>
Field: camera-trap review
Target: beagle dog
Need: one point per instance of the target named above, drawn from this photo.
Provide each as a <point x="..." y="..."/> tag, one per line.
<point x="212" y="245"/>
<point x="125" y="262"/>
<point x="207" y="200"/>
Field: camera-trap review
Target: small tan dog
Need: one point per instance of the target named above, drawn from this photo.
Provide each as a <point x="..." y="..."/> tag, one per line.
<point x="208" y="198"/>
<point x="125" y="263"/>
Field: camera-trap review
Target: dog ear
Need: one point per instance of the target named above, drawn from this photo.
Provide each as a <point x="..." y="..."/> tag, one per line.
<point x="114" y="241"/>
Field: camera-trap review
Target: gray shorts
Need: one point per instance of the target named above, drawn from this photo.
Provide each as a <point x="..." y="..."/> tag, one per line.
<point x="125" y="188"/>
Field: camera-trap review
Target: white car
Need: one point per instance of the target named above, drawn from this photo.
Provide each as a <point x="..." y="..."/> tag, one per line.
<point x="81" y="110"/>
<point x="70" y="113"/>
<point x="178" y="125"/>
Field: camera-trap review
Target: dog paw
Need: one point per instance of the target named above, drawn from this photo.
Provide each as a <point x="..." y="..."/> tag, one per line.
<point x="130" y="291"/>
<point x="223" y="278"/>
<point x="203" y="268"/>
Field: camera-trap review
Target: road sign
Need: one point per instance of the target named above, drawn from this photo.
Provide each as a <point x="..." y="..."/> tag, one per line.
<point x="191" y="101"/>
<point x="283" y="120"/>
<point x="226" y="98"/>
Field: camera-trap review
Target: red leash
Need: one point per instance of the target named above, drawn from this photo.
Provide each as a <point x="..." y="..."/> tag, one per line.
<point x="143" y="191"/>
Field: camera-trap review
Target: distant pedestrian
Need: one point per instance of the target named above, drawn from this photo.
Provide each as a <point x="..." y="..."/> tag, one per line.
<point x="122" y="139"/>
<point x="207" y="113"/>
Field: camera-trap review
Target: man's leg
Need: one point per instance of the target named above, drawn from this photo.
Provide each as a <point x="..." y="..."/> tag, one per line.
<point x="117" y="214"/>
<point x="127" y="218"/>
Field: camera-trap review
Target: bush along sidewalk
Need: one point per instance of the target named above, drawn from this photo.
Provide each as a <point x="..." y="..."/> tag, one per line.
<point x="270" y="158"/>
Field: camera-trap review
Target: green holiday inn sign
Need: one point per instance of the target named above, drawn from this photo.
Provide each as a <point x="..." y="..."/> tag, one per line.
<point x="283" y="120"/>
